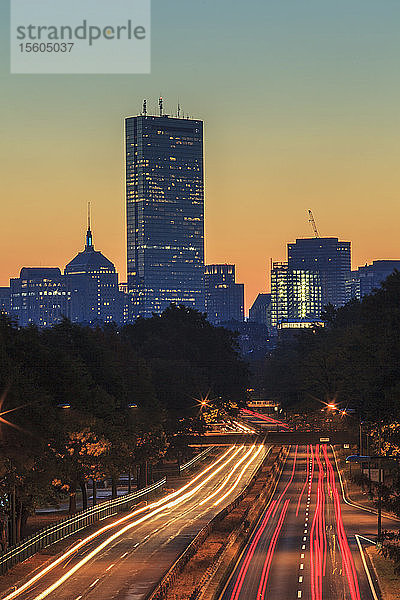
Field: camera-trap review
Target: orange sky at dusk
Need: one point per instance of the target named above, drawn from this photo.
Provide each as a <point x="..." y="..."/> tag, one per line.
<point x="300" y="109"/>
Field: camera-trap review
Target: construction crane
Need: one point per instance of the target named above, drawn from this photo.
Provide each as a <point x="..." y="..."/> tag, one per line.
<point x="311" y="220"/>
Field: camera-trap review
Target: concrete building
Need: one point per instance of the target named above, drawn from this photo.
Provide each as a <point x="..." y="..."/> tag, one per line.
<point x="92" y="283"/>
<point x="5" y="301"/>
<point x="39" y="296"/>
<point x="369" y="277"/>
<point x="224" y="297"/>
<point x="261" y="310"/>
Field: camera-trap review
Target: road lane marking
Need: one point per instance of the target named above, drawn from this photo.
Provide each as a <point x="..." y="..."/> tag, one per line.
<point x="136" y="545"/>
<point x="301" y="566"/>
<point x="94" y="583"/>
<point x="301" y="579"/>
<point x="303" y="547"/>
<point x="123" y="555"/>
<point x="110" y="567"/>
<point x="299" y="593"/>
<point x="302" y="555"/>
<point x="371" y="584"/>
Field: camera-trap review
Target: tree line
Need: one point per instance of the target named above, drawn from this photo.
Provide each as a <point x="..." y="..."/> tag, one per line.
<point x="354" y="361"/>
<point x="80" y="403"/>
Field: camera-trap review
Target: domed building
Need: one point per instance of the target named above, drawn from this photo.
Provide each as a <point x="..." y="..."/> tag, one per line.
<point x="92" y="281"/>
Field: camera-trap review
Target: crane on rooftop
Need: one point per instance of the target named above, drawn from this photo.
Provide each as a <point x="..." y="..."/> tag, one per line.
<point x="311" y="220"/>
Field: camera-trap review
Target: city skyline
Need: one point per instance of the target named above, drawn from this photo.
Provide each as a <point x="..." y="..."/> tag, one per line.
<point x="307" y="104"/>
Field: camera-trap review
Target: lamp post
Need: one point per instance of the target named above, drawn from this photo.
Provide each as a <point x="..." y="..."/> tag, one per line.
<point x="380" y="488"/>
<point x="360" y="459"/>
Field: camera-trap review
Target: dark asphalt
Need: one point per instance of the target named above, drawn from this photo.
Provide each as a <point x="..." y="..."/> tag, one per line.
<point x="276" y="563"/>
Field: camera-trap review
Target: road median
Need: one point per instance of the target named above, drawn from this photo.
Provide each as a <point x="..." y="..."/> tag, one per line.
<point x="201" y="570"/>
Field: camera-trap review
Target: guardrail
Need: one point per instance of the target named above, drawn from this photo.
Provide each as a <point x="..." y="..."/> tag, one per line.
<point x="194" y="460"/>
<point x="69" y="525"/>
<point x="162" y="586"/>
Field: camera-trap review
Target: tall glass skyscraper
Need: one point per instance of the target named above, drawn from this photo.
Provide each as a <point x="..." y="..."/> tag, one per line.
<point x="165" y="212"/>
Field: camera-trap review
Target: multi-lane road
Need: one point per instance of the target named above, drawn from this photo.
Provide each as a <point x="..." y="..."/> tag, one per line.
<point x="305" y="545"/>
<point x="126" y="558"/>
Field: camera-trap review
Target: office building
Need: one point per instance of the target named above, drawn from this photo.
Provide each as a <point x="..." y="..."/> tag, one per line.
<point x="295" y="294"/>
<point x="92" y="283"/>
<point x="304" y="294"/>
<point x="370" y="277"/>
<point x="39" y="296"/>
<point x="330" y="258"/>
<point x="5" y="301"/>
<point x="224" y="298"/>
<point x="279" y="293"/>
<point x="261" y="310"/>
<point x="165" y="211"/>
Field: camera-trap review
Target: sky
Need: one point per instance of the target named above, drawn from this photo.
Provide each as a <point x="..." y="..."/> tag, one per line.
<point x="300" y="100"/>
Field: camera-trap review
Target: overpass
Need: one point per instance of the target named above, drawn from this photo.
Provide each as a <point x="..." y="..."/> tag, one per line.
<point x="273" y="437"/>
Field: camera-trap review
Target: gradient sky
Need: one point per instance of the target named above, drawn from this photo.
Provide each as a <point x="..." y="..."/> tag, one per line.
<point x="300" y="100"/>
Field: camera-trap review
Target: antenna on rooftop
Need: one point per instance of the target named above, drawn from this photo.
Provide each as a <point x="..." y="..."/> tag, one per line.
<point x="144" y="109"/>
<point x="89" y="237"/>
<point x="160" y="104"/>
<point x="178" y="112"/>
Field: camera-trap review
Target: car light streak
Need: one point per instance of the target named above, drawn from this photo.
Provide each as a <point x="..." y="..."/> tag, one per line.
<point x="272" y="509"/>
<point x="270" y="552"/>
<point x="347" y="557"/>
<point x="308" y="478"/>
<point x="106" y="528"/>
<point x="250" y="552"/>
<point x="266" y="418"/>
<point x="244" y="428"/>
<point x="128" y="527"/>
<point x="239" y="477"/>
<point x="318" y="542"/>
<point x="226" y="481"/>
<point x="291" y="476"/>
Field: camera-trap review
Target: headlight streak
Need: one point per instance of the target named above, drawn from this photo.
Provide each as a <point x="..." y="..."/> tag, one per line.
<point x="347" y="557"/>
<point x="225" y="482"/>
<point x="128" y="527"/>
<point x="240" y="476"/>
<point x="99" y="532"/>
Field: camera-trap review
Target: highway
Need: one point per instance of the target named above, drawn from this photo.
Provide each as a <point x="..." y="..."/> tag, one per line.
<point x="125" y="559"/>
<point x="304" y="544"/>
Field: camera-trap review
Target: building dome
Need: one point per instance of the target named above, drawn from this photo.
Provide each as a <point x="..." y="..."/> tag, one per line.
<point x="89" y="260"/>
